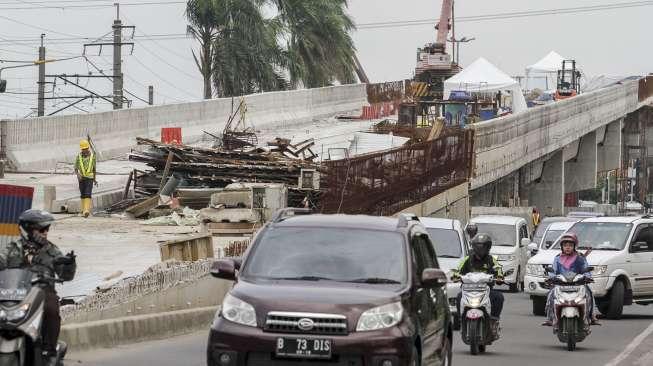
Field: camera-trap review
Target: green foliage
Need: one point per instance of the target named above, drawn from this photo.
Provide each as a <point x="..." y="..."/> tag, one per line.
<point x="306" y="43"/>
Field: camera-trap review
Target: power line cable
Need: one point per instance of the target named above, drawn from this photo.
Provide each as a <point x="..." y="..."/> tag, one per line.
<point x="38" y="6"/>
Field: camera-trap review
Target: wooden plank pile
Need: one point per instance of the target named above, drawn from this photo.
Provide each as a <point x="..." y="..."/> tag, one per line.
<point x="214" y="168"/>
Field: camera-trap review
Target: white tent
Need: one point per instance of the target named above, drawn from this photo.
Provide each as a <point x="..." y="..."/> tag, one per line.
<point x="549" y="66"/>
<point x="483" y="76"/>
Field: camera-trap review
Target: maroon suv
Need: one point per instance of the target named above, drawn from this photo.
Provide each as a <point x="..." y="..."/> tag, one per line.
<point x="333" y="290"/>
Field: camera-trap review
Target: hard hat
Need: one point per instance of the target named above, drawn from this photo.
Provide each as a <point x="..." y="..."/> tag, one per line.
<point x="84" y="145"/>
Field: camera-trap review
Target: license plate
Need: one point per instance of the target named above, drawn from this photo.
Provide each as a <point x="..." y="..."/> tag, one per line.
<point x="569" y="288"/>
<point x="304" y="348"/>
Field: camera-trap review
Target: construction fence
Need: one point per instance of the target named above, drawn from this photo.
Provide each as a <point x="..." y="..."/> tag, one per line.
<point x="387" y="182"/>
<point x="392" y="91"/>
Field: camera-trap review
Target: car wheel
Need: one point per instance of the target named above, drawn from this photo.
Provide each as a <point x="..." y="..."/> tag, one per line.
<point x="539" y="305"/>
<point x="616" y="304"/>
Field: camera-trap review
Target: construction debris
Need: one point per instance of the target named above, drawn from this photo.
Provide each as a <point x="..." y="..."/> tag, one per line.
<point x="187" y="217"/>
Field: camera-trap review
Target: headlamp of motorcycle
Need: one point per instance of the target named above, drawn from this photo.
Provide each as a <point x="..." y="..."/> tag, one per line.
<point x="15" y="314"/>
<point x="475" y="302"/>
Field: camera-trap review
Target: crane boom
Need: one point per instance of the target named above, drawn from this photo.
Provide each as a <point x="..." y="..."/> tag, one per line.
<point x="443" y="25"/>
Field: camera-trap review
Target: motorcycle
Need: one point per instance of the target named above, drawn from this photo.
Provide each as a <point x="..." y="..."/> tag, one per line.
<point x="477" y="329"/>
<point x="570" y="299"/>
<point x="21" y="316"/>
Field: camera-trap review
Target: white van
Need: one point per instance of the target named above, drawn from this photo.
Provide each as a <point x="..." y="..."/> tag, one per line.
<point x="510" y="238"/>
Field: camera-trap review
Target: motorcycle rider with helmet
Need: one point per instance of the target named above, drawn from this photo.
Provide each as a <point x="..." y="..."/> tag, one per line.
<point x="34" y="251"/>
<point x="570" y="260"/>
<point x="480" y="260"/>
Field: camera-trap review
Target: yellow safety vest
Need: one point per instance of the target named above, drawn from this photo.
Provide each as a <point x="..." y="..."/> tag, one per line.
<point x="86" y="166"/>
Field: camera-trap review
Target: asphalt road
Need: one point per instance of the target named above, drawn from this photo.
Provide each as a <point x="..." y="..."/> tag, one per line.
<point x="523" y="342"/>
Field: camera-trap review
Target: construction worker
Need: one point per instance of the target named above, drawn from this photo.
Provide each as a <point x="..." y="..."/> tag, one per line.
<point x="85" y="170"/>
<point x="536" y="218"/>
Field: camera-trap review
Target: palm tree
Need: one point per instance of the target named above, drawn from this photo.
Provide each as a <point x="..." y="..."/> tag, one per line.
<point x="307" y="43"/>
<point x="201" y="15"/>
<point x="320" y="48"/>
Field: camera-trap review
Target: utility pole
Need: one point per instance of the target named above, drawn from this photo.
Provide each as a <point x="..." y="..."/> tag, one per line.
<point x="117" y="60"/>
<point x="41" y="101"/>
<point x="150" y="99"/>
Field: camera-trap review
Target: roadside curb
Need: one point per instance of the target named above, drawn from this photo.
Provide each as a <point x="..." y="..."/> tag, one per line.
<point x="127" y="330"/>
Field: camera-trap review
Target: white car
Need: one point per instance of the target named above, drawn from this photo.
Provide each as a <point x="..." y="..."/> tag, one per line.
<point x="553" y="232"/>
<point x="622" y="257"/>
<point x="538" y="235"/>
<point x="451" y="246"/>
<point x="510" y="238"/>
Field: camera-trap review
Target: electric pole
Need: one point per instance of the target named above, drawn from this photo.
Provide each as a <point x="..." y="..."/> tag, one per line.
<point x="117" y="60"/>
<point x="41" y="101"/>
<point x="150" y="99"/>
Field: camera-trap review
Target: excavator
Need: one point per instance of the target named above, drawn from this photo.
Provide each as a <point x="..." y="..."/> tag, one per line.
<point x="434" y="64"/>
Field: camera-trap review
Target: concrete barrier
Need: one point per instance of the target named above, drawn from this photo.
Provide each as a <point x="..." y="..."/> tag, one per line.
<point x="40" y="143"/>
<point x="451" y="204"/>
<point x="127" y="330"/>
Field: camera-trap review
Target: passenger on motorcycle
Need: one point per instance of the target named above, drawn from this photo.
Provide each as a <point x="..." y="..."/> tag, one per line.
<point x="34" y="251"/>
<point x="481" y="261"/>
<point x="569" y="260"/>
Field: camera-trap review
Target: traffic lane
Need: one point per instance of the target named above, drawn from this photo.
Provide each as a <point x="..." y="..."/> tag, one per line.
<point x="187" y="350"/>
<point x="523" y="339"/>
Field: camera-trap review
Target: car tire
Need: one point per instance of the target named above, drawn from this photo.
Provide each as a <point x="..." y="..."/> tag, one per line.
<point x="539" y="305"/>
<point x="616" y="302"/>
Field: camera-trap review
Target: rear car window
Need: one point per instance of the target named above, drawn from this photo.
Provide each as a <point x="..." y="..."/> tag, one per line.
<point x="338" y="254"/>
<point x="446" y="242"/>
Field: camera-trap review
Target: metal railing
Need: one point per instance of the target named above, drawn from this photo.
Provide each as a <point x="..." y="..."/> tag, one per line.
<point x="386" y="182"/>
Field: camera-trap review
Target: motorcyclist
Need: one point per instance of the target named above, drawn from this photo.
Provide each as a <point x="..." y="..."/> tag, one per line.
<point x="481" y="261"/>
<point x="34" y="251"/>
<point x="569" y="260"/>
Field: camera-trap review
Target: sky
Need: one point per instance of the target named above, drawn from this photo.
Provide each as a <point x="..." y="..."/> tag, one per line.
<point x="610" y="42"/>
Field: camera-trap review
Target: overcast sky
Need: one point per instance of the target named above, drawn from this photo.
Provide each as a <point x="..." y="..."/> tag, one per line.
<point x="613" y="42"/>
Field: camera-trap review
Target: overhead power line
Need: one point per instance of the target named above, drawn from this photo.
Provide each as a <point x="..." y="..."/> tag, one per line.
<point x="508" y="15"/>
<point x="38" y="5"/>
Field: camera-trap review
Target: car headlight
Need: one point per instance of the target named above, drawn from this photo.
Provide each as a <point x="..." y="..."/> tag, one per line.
<point x="506" y="257"/>
<point x="238" y="311"/>
<point x="16" y="314"/>
<point x="381" y="317"/>
<point x="535" y="270"/>
<point x="599" y="271"/>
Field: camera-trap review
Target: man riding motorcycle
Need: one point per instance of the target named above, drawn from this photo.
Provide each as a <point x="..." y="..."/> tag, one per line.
<point x="569" y="260"/>
<point x="34" y="251"/>
<point x="481" y="261"/>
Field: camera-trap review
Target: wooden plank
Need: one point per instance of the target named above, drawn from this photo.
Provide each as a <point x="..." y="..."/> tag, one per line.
<point x="166" y="170"/>
<point x="141" y="209"/>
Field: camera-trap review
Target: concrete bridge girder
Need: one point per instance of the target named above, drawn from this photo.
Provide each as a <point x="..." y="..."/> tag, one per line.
<point x="547" y="191"/>
<point x="609" y="149"/>
<point x="580" y="170"/>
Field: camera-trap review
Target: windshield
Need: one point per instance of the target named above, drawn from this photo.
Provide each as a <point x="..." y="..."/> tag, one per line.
<point x="600" y="235"/>
<point x="501" y="235"/>
<point x="539" y="233"/>
<point x="311" y="253"/>
<point x="550" y="238"/>
<point x="446" y="243"/>
<point x="15" y="284"/>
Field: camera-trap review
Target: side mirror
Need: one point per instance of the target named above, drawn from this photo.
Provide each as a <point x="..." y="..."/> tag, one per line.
<point x="640" y="246"/>
<point x="224" y="269"/>
<point x="525" y="242"/>
<point x="548" y="244"/>
<point x="432" y="277"/>
<point x="532" y="247"/>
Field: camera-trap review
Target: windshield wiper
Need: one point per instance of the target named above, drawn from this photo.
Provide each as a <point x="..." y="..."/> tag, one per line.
<point x="375" y="280"/>
<point x="303" y="278"/>
<point x="611" y="248"/>
<point x="448" y="256"/>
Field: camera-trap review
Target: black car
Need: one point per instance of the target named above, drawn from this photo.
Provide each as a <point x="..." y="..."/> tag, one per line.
<point x="334" y="290"/>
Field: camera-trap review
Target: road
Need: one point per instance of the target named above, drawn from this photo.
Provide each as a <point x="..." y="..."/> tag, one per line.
<point x="523" y="342"/>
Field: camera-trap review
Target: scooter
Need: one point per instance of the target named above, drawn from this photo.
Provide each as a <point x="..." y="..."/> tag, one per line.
<point x="478" y="330"/>
<point x="21" y="316"/>
<point x="570" y="299"/>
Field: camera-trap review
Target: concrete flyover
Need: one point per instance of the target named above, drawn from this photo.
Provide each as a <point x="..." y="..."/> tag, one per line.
<point x="535" y="157"/>
<point x="40" y="143"/>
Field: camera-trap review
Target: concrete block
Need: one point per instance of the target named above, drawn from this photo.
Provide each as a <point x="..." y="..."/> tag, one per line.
<point x="127" y="330"/>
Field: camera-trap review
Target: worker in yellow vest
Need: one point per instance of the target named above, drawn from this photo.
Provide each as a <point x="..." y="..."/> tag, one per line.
<point x="536" y="218"/>
<point x="85" y="170"/>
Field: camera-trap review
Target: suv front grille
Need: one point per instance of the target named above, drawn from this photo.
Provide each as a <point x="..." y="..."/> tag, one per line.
<point x="307" y="323"/>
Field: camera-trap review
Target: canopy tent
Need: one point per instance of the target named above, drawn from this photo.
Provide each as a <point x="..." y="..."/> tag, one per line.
<point x="549" y="66"/>
<point x="483" y="76"/>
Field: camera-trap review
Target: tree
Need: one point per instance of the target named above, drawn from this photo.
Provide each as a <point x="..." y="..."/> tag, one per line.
<point x="203" y="26"/>
<point x="306" y="43"/>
